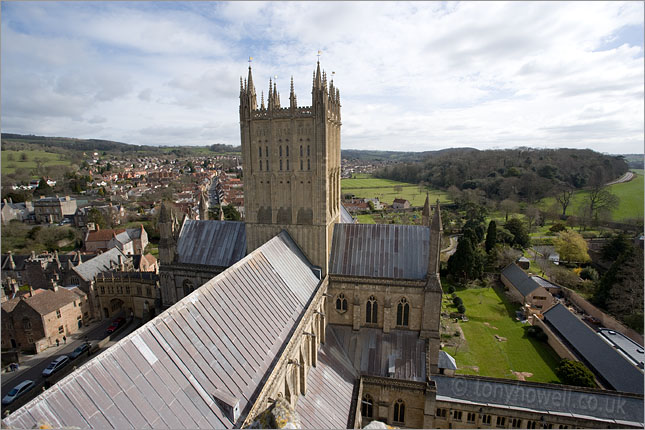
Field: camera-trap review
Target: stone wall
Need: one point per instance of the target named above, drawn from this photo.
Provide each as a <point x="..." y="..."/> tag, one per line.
<point x="386" y="392"/>
<point x="553" y="339"/>
<point x="606" y="320"/>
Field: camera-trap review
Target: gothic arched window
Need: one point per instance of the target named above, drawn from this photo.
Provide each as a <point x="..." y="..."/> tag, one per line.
<point x="341" y="303"/>
<point x="308" y="164"/>
<point x="267" y="165"/>
<point x="308" y="152"/>
<point x="260" y="150"/>
<point x="399" y="411"/>
<point x="287" y="164"/>
<point x="300" y="164"/>
<point x="287" y="151"/>
<point x="266" y="151"/>
<point x="280" y="150"/>
<point x="403" y="312"/>
<point x="280" y="164"/>
<point x="260" y="165"/>
<point x="301" y="149"/>
<point x="367" y="406"/>
<point x="371" y="310"/>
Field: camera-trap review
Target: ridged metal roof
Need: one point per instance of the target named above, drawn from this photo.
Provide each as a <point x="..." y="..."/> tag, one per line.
<point x="399" y="354"/>
<point x="212" y="243"/>
<point x="380" y="251"/>
<point x="598" y="354"/>
<point x="330" y="387"/>
<point x="222" y="338"/>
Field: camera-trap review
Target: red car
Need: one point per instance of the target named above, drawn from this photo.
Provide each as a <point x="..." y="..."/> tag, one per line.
<point x="115" y="325"/>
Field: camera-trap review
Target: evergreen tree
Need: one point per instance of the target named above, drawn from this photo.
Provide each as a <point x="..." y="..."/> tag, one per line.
<point x="575" y="373"/>
<point x="491" y="236"/>
<point x="466" y="263"/>
<point x="518" y="230"/>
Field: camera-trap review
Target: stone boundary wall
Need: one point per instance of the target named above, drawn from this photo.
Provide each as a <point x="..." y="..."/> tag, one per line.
<point x="606" y="320"/>
<point x="553" y="340"/>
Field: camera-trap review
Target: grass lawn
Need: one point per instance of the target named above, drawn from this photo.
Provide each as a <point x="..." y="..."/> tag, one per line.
<point x="630" y="195"/>
<point x="49" y="159"/>
<point x="365" y="219"/>
<point x="490" y="313"/>
<point x="367" y="187"/>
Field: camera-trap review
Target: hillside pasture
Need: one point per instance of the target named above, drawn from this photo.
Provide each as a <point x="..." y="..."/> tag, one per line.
<point x="387" y="190"/>
<point x="630" y="194"/>
<point x="12" y="160"/>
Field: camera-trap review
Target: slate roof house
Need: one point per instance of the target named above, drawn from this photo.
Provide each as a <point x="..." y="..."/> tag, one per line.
<point x="525" y="289"/>
<point x="341" y="321"/>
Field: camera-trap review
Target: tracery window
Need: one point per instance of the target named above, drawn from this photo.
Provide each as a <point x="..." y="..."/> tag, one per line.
<point x="367" y="406"/>
<point x="399" y="411"/>
<point x="341" y="303"/>
<point x="371" y="311"/>
<point x="403" y="312"/>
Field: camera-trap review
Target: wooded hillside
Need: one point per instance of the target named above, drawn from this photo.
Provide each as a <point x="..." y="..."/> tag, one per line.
<point x="521" y="174"/>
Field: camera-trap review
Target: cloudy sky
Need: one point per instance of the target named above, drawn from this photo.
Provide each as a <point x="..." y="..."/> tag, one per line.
<point x="412" y="76"/>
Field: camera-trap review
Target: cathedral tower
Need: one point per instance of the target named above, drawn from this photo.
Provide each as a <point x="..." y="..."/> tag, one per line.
<point x="291" y="161"/>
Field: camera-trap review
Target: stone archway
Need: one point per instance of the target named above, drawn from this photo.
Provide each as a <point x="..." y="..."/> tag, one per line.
<point x="116" y="305"/>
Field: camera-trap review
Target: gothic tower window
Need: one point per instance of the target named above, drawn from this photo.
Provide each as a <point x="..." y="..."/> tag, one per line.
<point x="287" y="152"/>
<point x="287" y="164"/>
<point x="301" y="150"/>
<point x="399" y="411"/>
<point x="300" y="164"/>
<point x="267" y="165"/>
<point x="266" y="151"/>
<point x="403" y="312"/>
<point x="280" y="164"/>
<point x="341" y="303"/>
<point x="308" y="164"/>
<point x="367" y="406"/>
<point x="280" y="150"/>
<point x="308" y="152"/>
<point x="260" y="150"/>
<point x="260" y="165"/>
<point x="371" y="311"/>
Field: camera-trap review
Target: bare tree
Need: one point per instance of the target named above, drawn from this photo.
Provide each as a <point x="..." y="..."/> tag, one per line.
<point x="563" y="197"/>
<point x="533" y="216"/>
<point x="508" y="206"/>
<point x="601" y="201"/>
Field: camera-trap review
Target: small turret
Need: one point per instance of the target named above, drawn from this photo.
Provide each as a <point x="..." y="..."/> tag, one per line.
<point x="436" y="231"/>
<point x="203" y="207"/>
<point x="293" y="104"/>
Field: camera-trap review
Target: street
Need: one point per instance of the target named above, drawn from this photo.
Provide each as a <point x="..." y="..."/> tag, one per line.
<point x="32" y="367"/>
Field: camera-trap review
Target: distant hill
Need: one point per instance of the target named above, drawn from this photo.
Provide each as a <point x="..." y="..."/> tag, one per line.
<point x="398" y="156"/>
<point x="634" y="161"/>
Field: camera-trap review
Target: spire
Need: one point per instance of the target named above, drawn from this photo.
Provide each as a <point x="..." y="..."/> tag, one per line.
<point x="262" y="99"/>
<point x="270" y="95"/>
<point x="251" y="91"/>
<point x="436" y="219"/>
<point x="292" y="97"/>
<point x="317" y="79"/>
<point x="241" y="85"/>
<point x="425" y="214"/>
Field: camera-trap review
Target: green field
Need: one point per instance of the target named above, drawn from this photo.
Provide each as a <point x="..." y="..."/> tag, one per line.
<point x="368" y="187"/>
<point x="630" y="195"/>
<point x="490" y="313"/>
<point x="33" y="156"/>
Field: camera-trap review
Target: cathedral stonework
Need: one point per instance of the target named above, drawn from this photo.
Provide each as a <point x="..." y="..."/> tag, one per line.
<point x="291" y="159"/>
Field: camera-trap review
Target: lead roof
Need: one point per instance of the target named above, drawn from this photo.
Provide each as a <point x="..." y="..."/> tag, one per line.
<point x="222" y="337"/>
<point x="520" y="280"/>
<point x="380" y="251"/>
<point x="211" y="242"/>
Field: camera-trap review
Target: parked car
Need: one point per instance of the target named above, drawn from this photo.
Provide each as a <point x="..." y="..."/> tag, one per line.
<point x="56" y="365"/>
<point x="118" y="322"/>
<point x="18" y="391"/>
<point x="80" y="350"/>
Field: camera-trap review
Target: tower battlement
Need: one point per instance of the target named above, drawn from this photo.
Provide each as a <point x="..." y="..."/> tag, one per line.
<point x="291" y="162"/>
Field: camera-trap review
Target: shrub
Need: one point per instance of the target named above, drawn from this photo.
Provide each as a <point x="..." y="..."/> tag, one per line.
<point x="575" y="373"/>
<point x="537" y="333"/>
<point x="557" y="227"/>
<point x="451" y="289"/>
<point x="457" y="301"/>
<point x="589" y="273"/>
<point x="461" y="309"/>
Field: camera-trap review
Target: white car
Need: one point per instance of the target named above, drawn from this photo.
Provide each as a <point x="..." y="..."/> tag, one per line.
<point x="18" y="391"/>
<point x="56" y="365"/>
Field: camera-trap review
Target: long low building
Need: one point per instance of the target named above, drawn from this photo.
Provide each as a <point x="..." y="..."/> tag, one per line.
<point x="612" y="369"/>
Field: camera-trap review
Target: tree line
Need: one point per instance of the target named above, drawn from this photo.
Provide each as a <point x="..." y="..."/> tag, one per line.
<point x="520" y="174"/>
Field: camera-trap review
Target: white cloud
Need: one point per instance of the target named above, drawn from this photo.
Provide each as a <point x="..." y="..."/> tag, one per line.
<point x="414" y="76"/>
